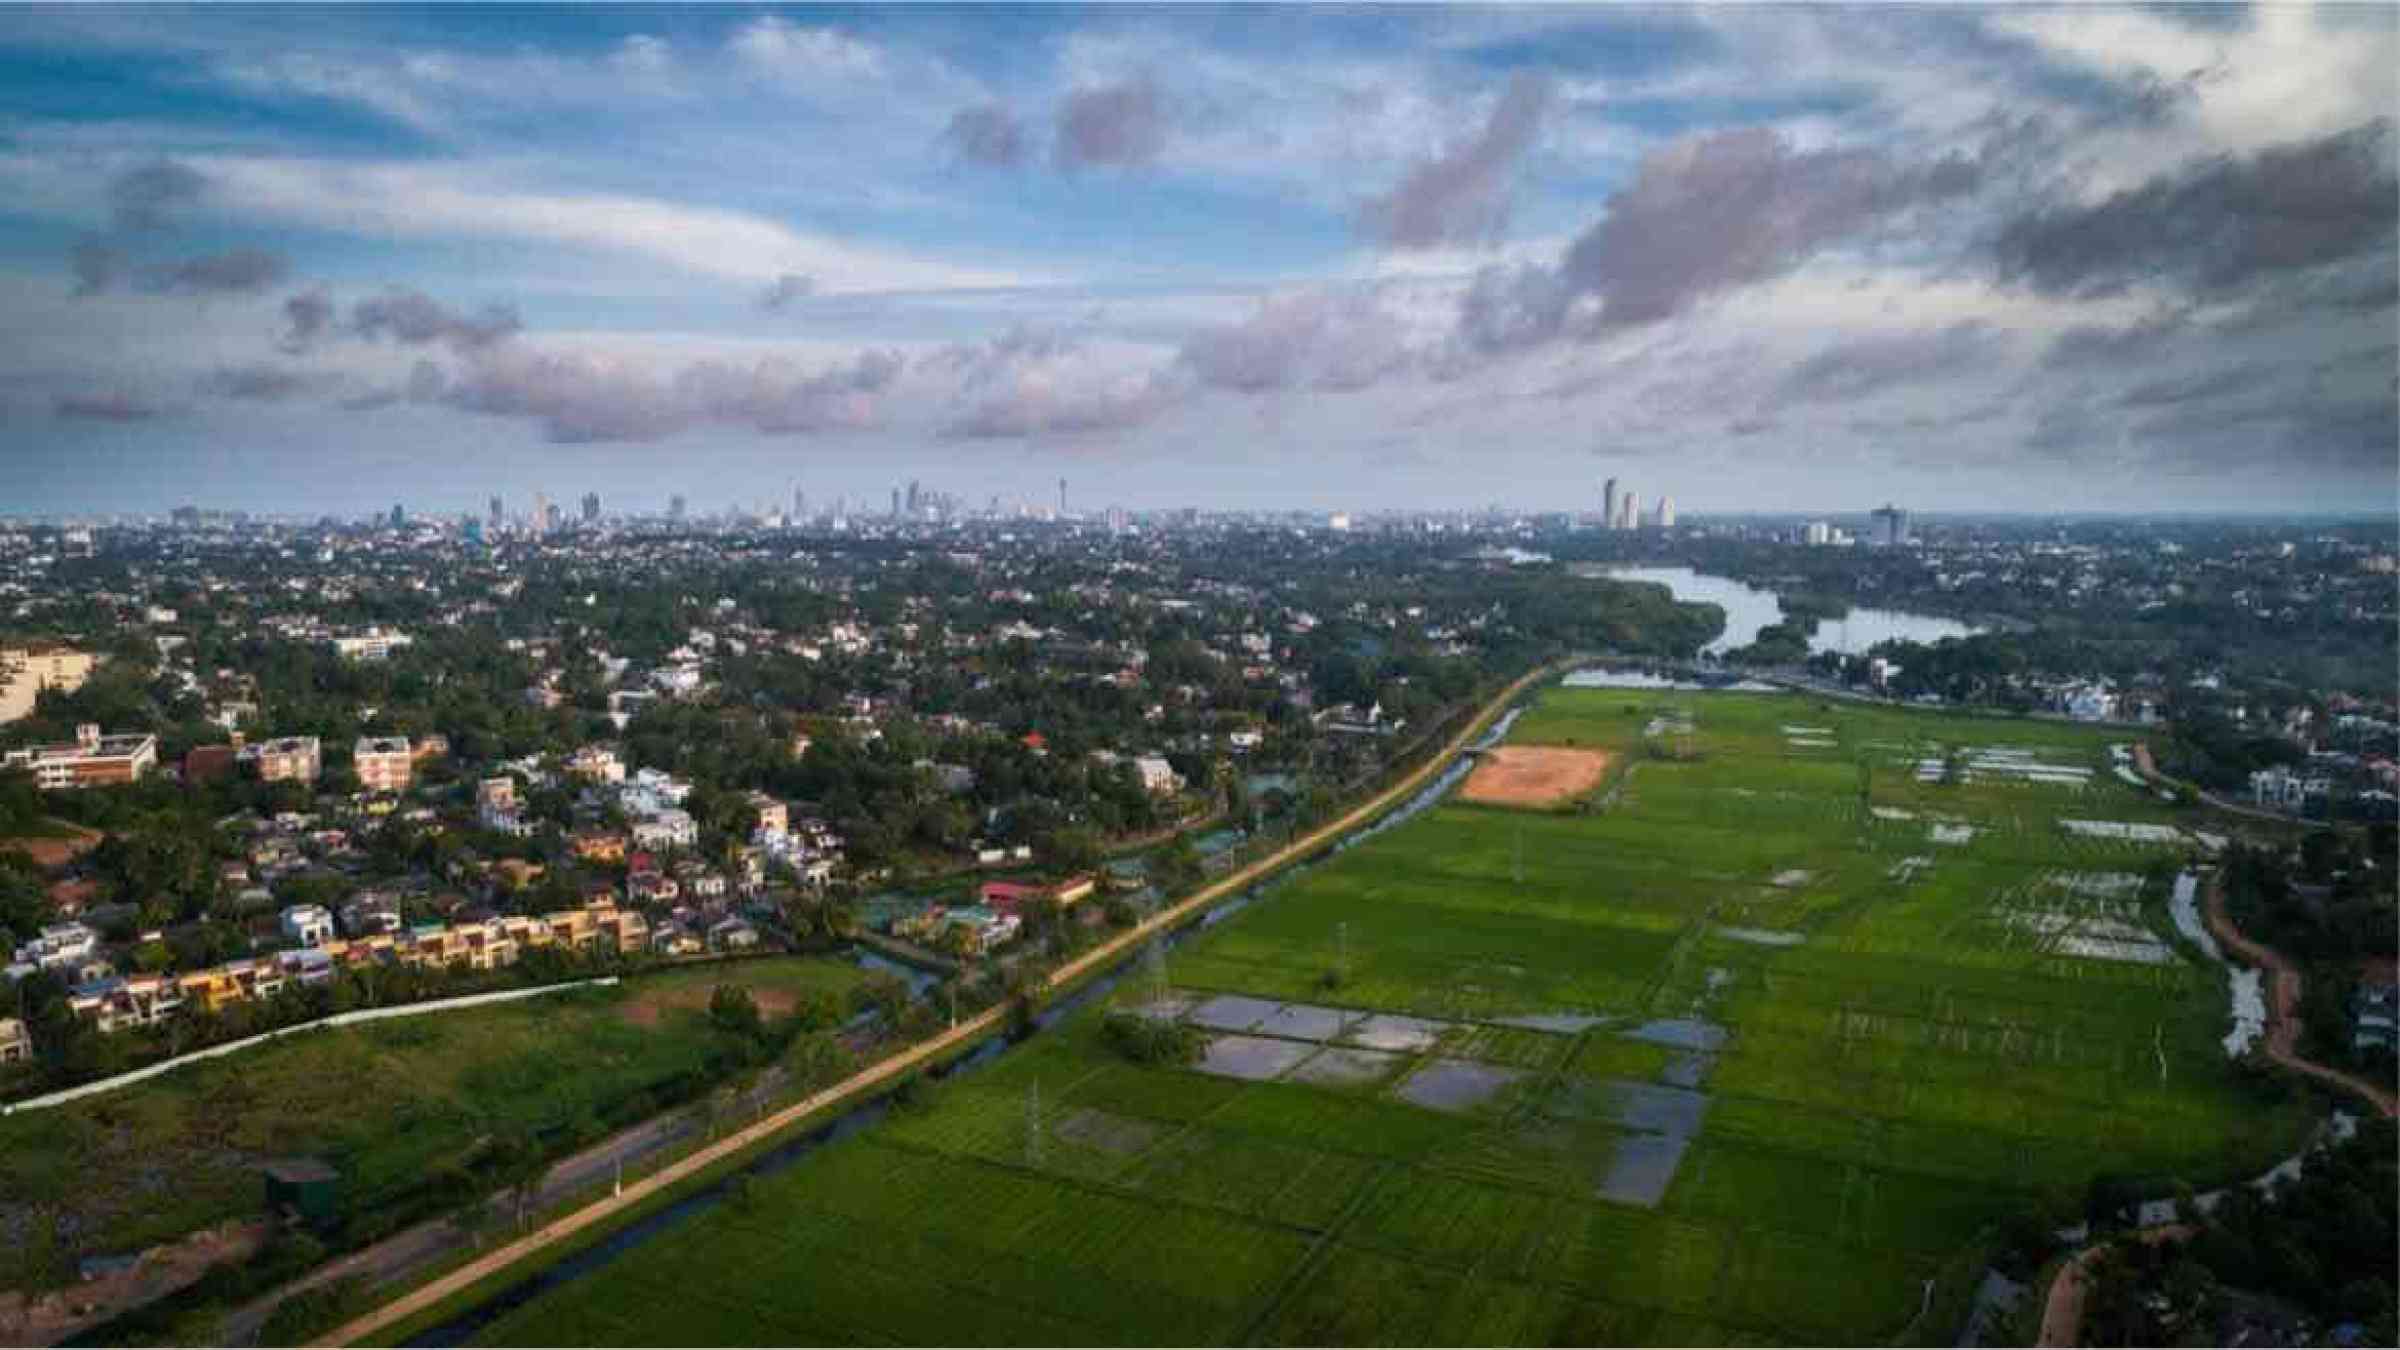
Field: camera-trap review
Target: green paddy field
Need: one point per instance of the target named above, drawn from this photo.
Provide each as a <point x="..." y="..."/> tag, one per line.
<point x="1752" y="1046"/>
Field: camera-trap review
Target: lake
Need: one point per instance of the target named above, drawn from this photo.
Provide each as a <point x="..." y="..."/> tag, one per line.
<point x="1748" y="609"/>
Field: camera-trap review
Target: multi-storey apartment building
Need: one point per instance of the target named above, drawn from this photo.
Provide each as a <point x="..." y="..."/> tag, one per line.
<point x="90" y="760"/>
<point x="285" y="758"/>
<point x="383" y="763"/>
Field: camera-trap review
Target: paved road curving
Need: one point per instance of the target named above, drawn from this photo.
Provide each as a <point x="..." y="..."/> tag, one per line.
<point x="965" y="1033"/>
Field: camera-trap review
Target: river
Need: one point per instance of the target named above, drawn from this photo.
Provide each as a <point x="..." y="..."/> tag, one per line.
<point x="1748" y="609"/>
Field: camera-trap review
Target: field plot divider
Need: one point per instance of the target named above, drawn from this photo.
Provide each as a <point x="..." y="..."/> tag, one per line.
<point x="966" y="1033"/>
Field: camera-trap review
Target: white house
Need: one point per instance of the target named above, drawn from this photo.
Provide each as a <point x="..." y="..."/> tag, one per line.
<point x="308" y="925"/>
<point x="667" y="829"/>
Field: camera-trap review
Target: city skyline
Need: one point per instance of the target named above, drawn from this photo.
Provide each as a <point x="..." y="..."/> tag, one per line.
<point x="317" y="260"/>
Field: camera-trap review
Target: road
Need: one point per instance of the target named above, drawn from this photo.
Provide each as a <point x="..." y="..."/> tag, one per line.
<point x="2283" y="1006"/>
<point x="2062" y="1308"/>
<point x="404" y="1253"/>
<point x="964" y="1034"/>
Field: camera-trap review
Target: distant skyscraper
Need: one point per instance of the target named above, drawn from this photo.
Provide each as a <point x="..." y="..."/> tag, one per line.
<point x="541" y="513"/>
<point x="399" y="517"/>
<point x="474" y="530"/>
<point x="1666" y="513"/>
<point x="675" y="507"/>
<point x="591" y="508"/>
<point x="895" y="503"/>
<point x="1629" y="510"/>
<point x="799" y="504"/>
<point x="1062" y="498"/>
<point x="1891" y="525"/>
<point x="1608" y="505"/>
<point x="499" y="518"/>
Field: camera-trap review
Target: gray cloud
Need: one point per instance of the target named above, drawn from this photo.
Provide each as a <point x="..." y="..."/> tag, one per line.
<point x="1029" y="382"/>
<point x="2219" y="225"/>
<point x="1461" y="197"/>
<point x="414" y="318"/>
<point x="789" y="287"/>
<point x="148" y="197"/>
<point x="582" y="399"/>
<point x="2221" y="382"/>
<point x="308" y="316"/>
<point x="777" y="396"/>
<point x="1115" y="124"/>
<point x="1861" y="366"/>
<point x="1507" y="308"/>
<point x="426" y="383"/>
<point x="990" y="134"/>
<point x="1319" y="339"/>
<point x="96" y="265"/>
<point x="265" y="383"/>
<point x="238" y="271"/>
<point x="2090" y="344"/>
<point x="111" y="407"/>
<point x="1725" y="208"/>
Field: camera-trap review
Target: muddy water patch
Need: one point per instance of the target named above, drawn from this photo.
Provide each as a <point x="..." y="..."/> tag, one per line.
<point x="1764" y="937"/>
<point x="1642" y="1169"/>
<point x="1337" y="1066"/>
<point x="1304" y="1022"/>
<point x="1392" y="1031"/>
<point x="1456" y="1084"/>
<point x="1234" y="1012"/>
<point x="1681" y="1033"/>
<point x="1687" y="1070"/>
<point x="1254" y="1058"/>
<point x="1566" y="1024"/>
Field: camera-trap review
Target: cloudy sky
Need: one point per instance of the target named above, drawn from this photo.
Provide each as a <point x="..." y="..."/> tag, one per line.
<point x="1759" y="258"/>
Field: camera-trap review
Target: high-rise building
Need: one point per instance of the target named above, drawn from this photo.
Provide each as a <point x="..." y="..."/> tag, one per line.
<point x="498" y="517"/>
<point x="675" y="507"/>
<point x="799" y="505"/>
<point x="1608" y="504"/>
<point x="1666" y="513"/>
<point x="1062" y="498"/>
<point x="1891" y="525"/>
<point x="1629" y="510"/>
<point x="591" y="508"/>
<point x="895" y="503"/>
<point x="541" y="513"/>
<point x="399" y="517"/>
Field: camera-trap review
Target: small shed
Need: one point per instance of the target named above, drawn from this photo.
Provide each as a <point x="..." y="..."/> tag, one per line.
<point x="305" y="1187"/>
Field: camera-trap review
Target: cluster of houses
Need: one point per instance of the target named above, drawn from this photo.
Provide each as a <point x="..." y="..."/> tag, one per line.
<point x="370" y="935"/>
<point x="996" y="917"/>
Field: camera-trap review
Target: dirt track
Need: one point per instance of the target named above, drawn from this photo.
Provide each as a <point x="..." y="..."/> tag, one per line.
<point x="49" y="851"/>
<point x="2062" y="1309"/>
<point x="965" y="1033"/>
<point x="2283" y="1006"/>
<point x="1534" y="775"/>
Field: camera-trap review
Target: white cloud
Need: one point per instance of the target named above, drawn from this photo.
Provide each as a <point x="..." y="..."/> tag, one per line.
<point x="783" y="48"/>
<point x="435" y="201"/>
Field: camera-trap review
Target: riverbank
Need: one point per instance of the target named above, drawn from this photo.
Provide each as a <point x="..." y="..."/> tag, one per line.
<point x="496" y="1266"/>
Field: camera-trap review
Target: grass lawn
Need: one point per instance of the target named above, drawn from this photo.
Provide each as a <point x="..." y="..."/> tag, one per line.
<point x="1747" y="1051"/>
<point x="384" y="1102"/>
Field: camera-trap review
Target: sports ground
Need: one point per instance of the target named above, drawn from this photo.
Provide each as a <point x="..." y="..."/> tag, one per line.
<point x="1752" y="1043"/>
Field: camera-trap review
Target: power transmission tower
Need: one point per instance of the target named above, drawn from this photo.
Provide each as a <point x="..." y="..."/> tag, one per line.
<point x="1033" y="1124"/>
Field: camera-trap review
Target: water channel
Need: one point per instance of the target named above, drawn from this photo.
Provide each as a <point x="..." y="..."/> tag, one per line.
<point x="1748" y="609"/>
<point x="466" y="1325"/>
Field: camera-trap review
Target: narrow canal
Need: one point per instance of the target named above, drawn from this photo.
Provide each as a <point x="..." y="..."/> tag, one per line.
<point x="466" y="1325"/>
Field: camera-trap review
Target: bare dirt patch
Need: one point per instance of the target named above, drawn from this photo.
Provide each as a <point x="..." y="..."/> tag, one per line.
<point x="649" y="1008"/>
<point x="1534" y="775"/>
<point x="55" y="850"/>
